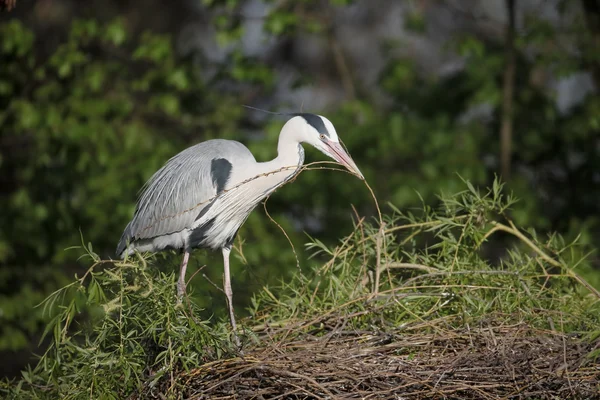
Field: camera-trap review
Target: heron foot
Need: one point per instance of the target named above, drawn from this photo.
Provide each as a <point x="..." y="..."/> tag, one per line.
<point x="237" y="342"/>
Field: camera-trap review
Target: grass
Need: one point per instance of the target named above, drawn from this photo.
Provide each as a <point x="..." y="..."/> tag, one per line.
<point x="418" y="291"/>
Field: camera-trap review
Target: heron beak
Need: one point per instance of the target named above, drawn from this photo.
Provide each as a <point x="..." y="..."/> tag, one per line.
<point x="338" y="153"/>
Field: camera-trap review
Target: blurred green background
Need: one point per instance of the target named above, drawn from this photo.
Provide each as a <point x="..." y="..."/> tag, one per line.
<point x="95" y="96"/>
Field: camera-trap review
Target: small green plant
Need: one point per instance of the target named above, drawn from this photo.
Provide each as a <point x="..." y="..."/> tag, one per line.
<point x="120" y="331"/>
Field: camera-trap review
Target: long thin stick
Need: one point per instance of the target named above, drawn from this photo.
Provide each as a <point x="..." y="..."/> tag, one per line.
<point x="512" y="229"/>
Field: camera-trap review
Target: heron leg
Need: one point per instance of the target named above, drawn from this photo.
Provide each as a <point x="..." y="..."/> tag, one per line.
<point x="181" y="281"/>
<point x="229" y="292"/>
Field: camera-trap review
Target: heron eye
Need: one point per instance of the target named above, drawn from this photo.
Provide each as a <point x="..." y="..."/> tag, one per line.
<point x="322" y="136"/>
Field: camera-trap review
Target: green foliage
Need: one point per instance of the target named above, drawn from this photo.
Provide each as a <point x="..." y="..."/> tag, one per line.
<point x="82" y="131"/>
<point x="84" y="124"/>
<point x="133" y="335"/>
<point x="412" y="272"/>
<point x="399" y="274"/>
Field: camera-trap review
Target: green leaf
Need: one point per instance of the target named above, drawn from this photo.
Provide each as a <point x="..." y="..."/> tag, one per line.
<point x="115" y="32"/>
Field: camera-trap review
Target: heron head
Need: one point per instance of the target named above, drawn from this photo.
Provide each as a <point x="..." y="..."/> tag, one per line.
<point x="319" y="132"/>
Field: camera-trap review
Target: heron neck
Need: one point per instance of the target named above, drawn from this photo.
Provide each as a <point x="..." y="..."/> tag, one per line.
<point x="290" y="155"/>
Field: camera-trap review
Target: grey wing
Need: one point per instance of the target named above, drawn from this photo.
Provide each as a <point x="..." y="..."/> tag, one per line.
<point x="177" y="194"/>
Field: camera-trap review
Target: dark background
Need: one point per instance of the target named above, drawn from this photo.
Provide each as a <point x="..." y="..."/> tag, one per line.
<point x="97" y="95"/>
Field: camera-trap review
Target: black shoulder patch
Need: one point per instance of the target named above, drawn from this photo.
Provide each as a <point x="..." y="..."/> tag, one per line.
<point x="220" y="171"/>
<point x="315" y="121"/>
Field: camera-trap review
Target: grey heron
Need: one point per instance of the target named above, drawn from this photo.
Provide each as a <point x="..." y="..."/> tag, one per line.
<point x="202" y="196"/>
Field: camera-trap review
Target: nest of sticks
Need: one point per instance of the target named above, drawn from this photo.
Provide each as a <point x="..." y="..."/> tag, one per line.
<point x="492" y="362"/>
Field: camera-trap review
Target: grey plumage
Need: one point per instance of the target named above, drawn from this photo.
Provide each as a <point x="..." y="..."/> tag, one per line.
<point x="202" y="196"/>
<point x="178" y="193"/>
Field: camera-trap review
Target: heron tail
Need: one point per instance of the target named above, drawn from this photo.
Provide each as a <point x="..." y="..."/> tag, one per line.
<point x="124" y="242"/>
